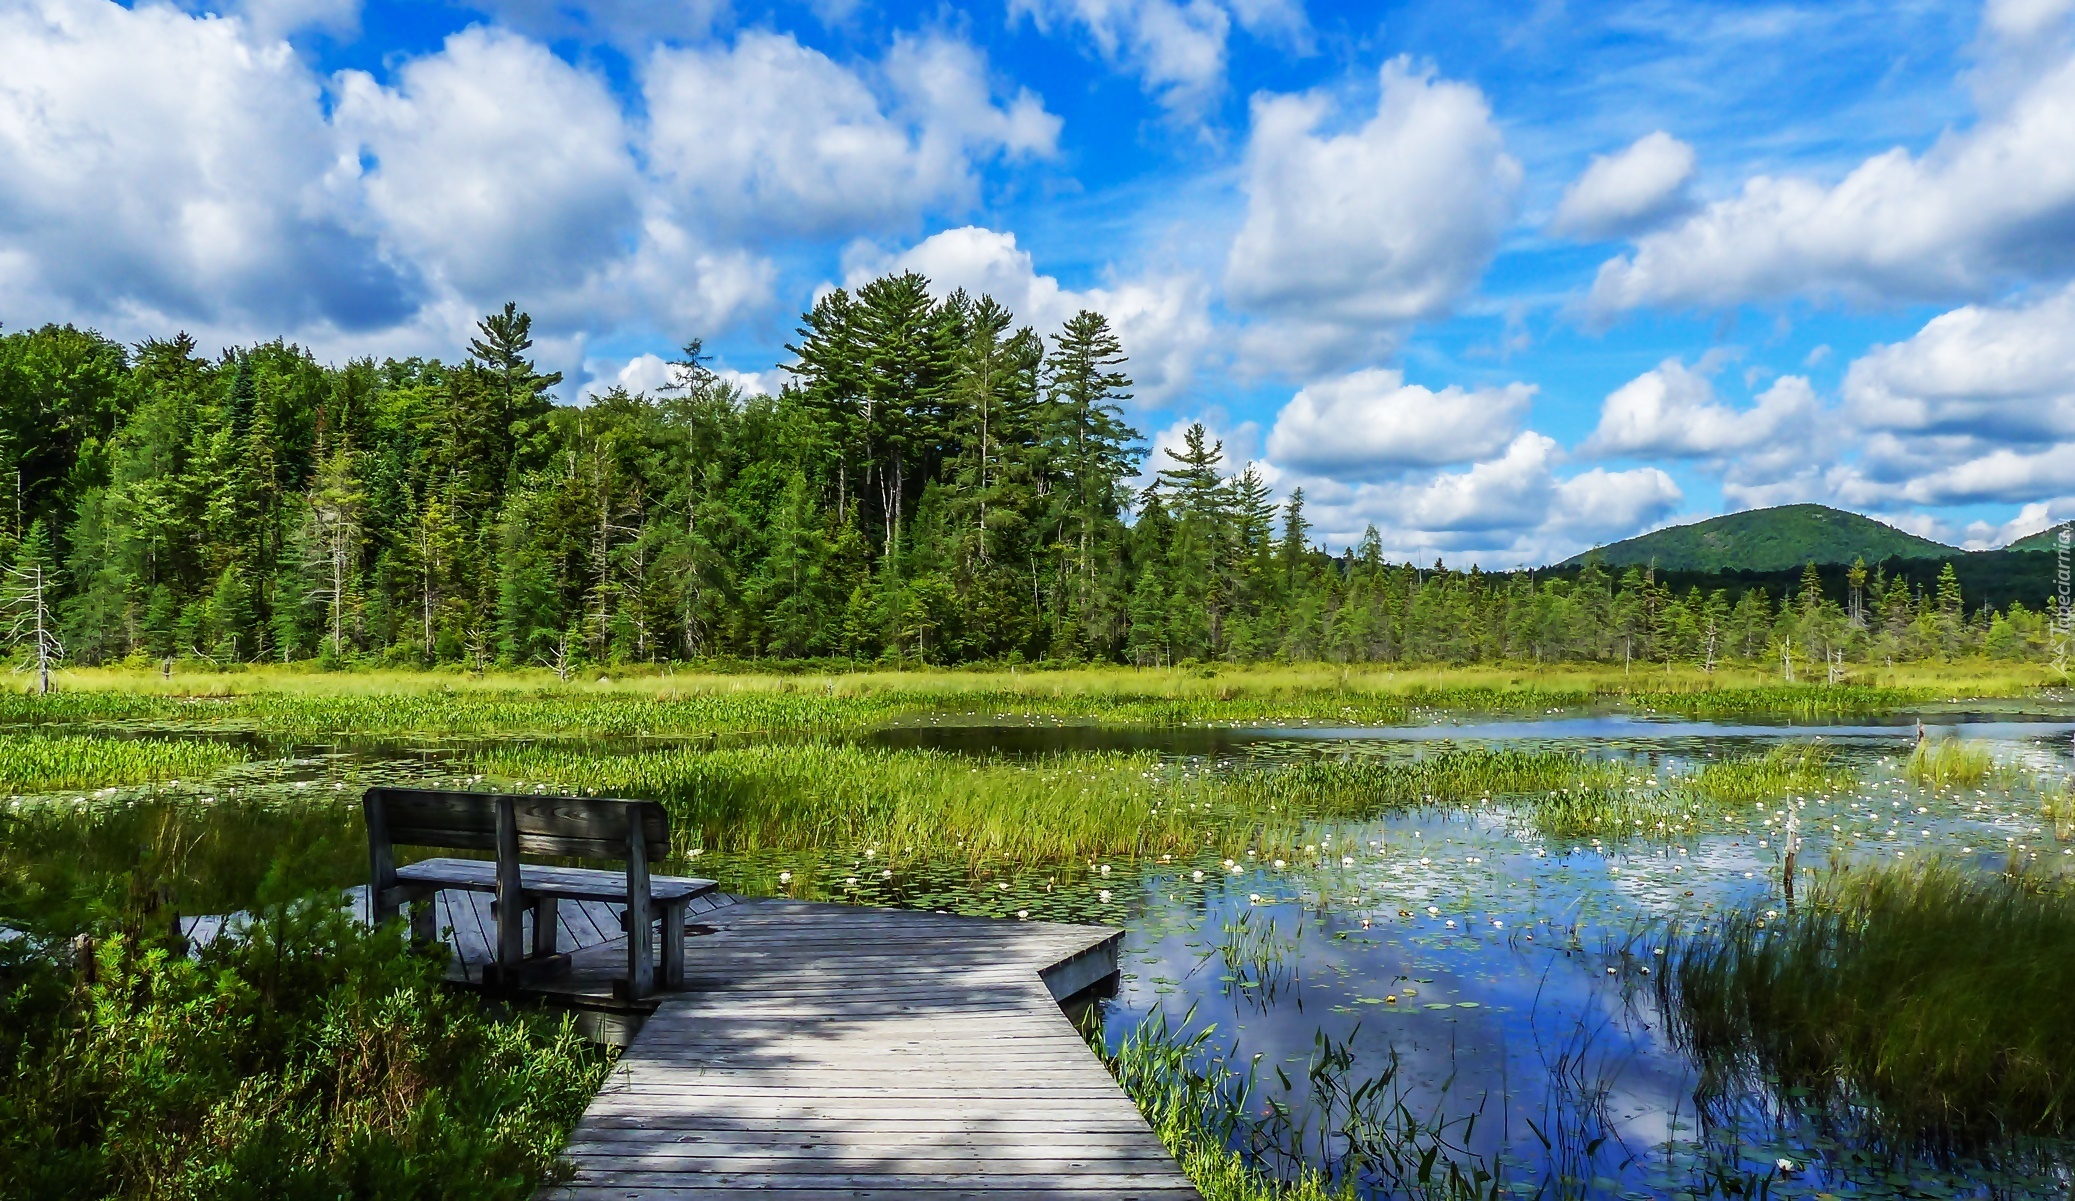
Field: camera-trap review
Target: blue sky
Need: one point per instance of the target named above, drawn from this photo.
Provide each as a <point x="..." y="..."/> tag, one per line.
<point x="1502" y="280"/>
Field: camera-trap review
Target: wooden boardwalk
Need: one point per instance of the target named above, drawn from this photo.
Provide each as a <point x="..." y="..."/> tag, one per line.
<point x="842" y="1052"/>
<point x="838" y="1051"/>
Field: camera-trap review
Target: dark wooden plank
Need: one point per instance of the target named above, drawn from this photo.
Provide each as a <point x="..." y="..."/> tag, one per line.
<point x="567" y="883"/>
<point x="576" y="827"/>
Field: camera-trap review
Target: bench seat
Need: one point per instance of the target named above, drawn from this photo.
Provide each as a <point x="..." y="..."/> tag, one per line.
<point x="565" y="883"/>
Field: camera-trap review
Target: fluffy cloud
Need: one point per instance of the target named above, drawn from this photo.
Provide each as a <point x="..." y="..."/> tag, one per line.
<point x="1372" y="422"/>
<point x="1163" y="322"/>
<point x="159" y="168"/>
<point x="1672" y="410"/>
<point x="1350" y="236"/>
<point x="1510" y="510"/>
<point x="1979" y="405"/>
<point x="498" y="167"/>
<point x="2002" y="373"/>
<point x="769" y="137"/>
<point x="1986" y="205"/>
<point x="1177" y="50"/>
<point x="1621" y="194"/>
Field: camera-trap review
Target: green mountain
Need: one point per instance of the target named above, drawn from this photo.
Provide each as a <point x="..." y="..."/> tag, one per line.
<point x="1775" y="539"/>
<point x="2046" y="539"/>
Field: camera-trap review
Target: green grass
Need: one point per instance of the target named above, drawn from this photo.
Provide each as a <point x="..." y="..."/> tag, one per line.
<point x="1948" y="763"/>
<point x="914" y="804"/>
<point x="309" y="1059"/>
<point x="1931" y="1002"/>
<point x="37" y="763"/>
<point x="642" y="700"/>
<point x="1222" y="1129"/>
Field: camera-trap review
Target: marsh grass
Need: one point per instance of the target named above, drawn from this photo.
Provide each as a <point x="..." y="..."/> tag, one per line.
<point x="308" y="1058"/>
<point x="920" y="804"/>
<point x="1949" y="763"/>
<point x="1615" y="800"/>
<point x="636" y="700"/>
<point x="40" y="763"/>
<point x="1241" y="1140"/>
<point x="1930" y="1003"/>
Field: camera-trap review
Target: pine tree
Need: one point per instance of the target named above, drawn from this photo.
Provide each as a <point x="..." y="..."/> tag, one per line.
<point x="1095" y="449"/>
<point x="522" y="393"/>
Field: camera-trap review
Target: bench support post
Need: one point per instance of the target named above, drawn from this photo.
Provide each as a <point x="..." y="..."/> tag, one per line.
<point x="381" y="856"/>
<point x="511" y="906"/>
<point x="673" y="944"/>
<point x="641" y="959"/>
<point x="545" y="924"/>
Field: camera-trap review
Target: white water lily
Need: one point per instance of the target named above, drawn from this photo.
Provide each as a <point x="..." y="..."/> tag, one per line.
<point x="785" y="877"/>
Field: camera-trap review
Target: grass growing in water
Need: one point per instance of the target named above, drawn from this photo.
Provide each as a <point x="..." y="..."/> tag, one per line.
<point x="1948" y="763"/>
<point x="33" y="763"/>
<point x="1931" y="1001"/>
<point x="804" y="796"/>
<point x="1201" y="1107"/>
<point x="640" y="699"/>
<point x="309" y="1058"/>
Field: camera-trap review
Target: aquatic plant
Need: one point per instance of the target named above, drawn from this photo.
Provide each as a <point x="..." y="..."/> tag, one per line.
<point x="635" y="700"/>
<point x="1948" y="763"/>
<point x="907" y="803"/>
<point x="307" y="1057"/>
<point x="35" y="763"/>
<point x="1930" y="1000"/>
<point x="1240" y="1140"/>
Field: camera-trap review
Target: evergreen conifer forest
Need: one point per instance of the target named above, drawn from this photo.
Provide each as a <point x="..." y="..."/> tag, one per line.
<point x="937" y="484"/>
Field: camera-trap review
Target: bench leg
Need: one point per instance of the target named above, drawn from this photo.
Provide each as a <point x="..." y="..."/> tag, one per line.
<point x="673" y="944"/>
<point x="641" y="948"/>
<point x="545" y="923"/>
<point x="424" y="917"/>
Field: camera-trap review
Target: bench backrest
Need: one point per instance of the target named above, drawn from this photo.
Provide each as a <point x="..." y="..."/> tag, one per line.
<point x="569" y="826"/>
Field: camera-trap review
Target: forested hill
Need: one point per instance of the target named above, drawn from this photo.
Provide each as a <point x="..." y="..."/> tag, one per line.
<point x="1769" y="540"/>
<point x="938" y="483"/>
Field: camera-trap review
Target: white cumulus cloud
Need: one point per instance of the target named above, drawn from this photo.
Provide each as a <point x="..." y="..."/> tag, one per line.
<point x="1985" y="205"/>
<point x="158" y="168"/>
<point x="769" y="138"/>
<point x="1177" y="48"/>
<point x="1624" y="193"/>
<point x="1350" y="236"/>
<point x="496" y="166"/>
<point x="1672" y="410"/>
<point x="1372" y="422"/>
<point x="1513" y="509"/>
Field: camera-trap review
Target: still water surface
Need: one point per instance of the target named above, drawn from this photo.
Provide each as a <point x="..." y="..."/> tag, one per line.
<point x="1486" y="972"/>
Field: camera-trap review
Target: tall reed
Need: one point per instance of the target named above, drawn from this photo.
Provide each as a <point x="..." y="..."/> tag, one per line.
<point x="1948" y="763"/>
<point x="807" y="795"/>
<point x="1932" y="998"/>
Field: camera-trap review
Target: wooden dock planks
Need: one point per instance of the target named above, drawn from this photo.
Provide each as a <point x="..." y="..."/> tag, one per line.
<point x="836" y="1051"/>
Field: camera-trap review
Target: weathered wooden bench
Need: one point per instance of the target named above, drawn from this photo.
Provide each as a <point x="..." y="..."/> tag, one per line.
<point x="637" y="832"/>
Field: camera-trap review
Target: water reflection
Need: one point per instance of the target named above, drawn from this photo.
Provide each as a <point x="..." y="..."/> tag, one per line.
<point x="1498" y="973"/>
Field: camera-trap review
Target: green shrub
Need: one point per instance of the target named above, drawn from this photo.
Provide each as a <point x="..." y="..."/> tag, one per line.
<point x="308" y="1057"/>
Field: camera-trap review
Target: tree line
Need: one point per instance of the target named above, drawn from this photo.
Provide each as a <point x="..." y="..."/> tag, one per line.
<point x="936" y="483"/>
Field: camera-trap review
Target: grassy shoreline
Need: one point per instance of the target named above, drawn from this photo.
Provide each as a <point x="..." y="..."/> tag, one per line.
<point x="635" y="702"/>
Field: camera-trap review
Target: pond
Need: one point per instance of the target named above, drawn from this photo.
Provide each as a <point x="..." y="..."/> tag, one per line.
<point x="1450" y="969"/>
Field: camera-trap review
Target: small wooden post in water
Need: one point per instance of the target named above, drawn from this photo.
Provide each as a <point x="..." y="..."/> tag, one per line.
<point x="1793" y="846"/>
